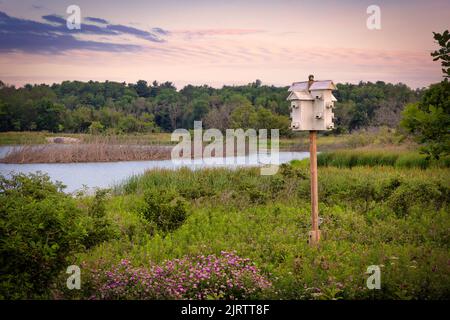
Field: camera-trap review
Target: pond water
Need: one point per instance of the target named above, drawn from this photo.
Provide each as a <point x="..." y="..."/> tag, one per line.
<point x="106" y="174"/>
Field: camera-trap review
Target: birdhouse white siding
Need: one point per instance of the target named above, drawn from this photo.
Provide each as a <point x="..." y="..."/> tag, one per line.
<point x="312" y="104"/>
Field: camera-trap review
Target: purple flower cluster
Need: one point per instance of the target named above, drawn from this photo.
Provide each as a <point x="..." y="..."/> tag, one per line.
<point x="227" y="276"/>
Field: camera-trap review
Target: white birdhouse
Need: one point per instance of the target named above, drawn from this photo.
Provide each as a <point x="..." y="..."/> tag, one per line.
<point x="312" y="104"/>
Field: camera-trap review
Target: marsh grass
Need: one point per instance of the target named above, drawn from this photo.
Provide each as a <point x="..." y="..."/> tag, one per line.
<point x="106" y="149"/>
<point x="92" y="152"/>
<point x="373" y="158"/>
<point x="397" y="218"/>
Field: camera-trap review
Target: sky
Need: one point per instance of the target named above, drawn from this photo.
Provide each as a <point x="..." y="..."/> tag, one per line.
<point x="220" y="42"/>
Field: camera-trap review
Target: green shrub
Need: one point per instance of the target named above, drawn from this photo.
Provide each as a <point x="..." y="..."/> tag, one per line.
<point x="100" y="228"/>
<point x="296" y="170"/>
<point x="40" y="227"/>
<point x="412" y="193"/>
<point x="198" y="188"/>
<point x="165" y="208"/>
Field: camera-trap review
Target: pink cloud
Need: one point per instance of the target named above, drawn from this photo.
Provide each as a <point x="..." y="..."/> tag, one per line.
<point x="215" y="32"/>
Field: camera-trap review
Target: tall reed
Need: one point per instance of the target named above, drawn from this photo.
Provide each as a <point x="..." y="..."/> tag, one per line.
<point x="93" y="152"/>
<point x="372" y="158"/>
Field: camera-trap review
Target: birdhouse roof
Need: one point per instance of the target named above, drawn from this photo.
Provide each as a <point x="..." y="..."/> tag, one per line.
<point x="300" y="95"/>
<point x="316" y="85"/>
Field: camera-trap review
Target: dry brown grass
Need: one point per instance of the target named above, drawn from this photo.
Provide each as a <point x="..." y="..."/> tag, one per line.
<point x="93" y="152"/>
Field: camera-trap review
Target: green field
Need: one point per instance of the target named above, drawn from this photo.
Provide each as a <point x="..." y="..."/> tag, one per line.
<point x="396" y="218"/>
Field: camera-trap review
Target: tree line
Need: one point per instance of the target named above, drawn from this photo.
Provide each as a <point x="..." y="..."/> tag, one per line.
<point x="114" y="107"/>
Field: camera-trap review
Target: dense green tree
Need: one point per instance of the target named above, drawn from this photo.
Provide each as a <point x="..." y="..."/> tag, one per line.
<point x="96" y="127"/>
<point x="200" y="108"/>
<point x="128" y="124"/>
<point x="48" y="115"/>
<point x="82" y="118"/>
<point x="429" y="120"/>
<point x="443" y="53"/>
<point x="142" y="89"/>
<point x="244" y="117"/>
<point x="370" y="104"/>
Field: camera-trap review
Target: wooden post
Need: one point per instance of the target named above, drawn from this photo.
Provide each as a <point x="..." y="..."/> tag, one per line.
<point x="314" y="234"/>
